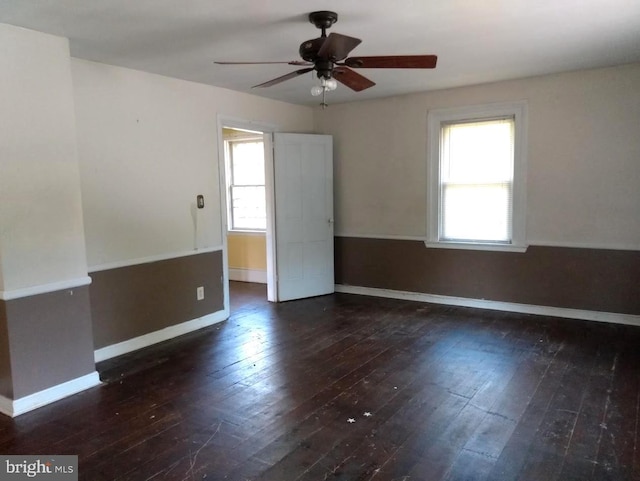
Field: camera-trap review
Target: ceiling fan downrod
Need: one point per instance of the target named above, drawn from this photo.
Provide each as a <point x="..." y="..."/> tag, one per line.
<point x="323" y="20"/>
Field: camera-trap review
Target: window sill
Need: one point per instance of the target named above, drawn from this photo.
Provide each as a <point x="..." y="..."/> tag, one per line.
<point x="476" y="246"/>
<point x="247" y="232"/>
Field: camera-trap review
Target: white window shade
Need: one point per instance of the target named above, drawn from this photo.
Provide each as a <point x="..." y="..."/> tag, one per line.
<point x="247" y="163"/>
<point x="476" y="181"/>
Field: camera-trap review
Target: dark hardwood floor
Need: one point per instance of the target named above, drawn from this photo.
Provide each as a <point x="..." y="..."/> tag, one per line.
<point x="452" y="393"/>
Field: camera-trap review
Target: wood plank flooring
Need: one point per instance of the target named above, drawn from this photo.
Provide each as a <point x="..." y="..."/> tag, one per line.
<point x="452" y="393"/>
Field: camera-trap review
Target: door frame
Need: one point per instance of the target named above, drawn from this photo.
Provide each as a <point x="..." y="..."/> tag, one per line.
<point x="267" y="130"/>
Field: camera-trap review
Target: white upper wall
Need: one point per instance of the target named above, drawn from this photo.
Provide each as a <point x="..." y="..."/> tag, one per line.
<point x="147" y="146"/>
<point x="41" y="231"/>
<point x="583" y="159"/>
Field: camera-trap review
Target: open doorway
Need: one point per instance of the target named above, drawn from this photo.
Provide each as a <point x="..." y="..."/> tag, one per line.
<point x="302" y="167"/>
<point x="251" y="237"/>
<point x="246" y="207"/>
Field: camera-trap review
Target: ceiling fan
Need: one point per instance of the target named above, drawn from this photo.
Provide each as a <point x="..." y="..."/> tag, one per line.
<point x="327" y="55"/>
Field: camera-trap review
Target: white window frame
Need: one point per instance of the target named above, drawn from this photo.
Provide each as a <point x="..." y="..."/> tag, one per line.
<point x="229" y="177"/>
<point x="435" y="120"/>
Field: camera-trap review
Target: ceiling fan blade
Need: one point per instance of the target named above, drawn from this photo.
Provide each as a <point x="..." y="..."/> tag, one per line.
<point x="290" y="75"/>
<point x="337" y="46"/>
<point x="352" y="79"/>
<point x="293" y="62"/>
<point x="393" y="61"/>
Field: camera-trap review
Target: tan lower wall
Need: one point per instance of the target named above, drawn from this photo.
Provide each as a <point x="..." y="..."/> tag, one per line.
<point x="247" y="251"/>
<point x="588" y="279"/>
<point x="132" y="301"/>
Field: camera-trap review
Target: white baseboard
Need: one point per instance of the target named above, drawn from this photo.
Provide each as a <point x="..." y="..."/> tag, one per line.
<point x="28" y="403"/>
<point x="248" y="275"/>
<point x="158" y="336"/>
<point x="612" y="317"/>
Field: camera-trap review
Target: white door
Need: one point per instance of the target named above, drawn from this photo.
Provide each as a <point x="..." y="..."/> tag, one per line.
<point x="303" y="178"/>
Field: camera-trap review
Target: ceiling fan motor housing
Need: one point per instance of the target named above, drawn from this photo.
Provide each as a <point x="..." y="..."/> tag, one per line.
<point x="324" y="68"/>
<point x="309" y="52"/>
<point x="309" y="48"/>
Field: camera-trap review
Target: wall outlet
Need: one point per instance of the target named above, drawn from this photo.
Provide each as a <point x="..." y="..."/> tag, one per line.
<point x="200" y="293"/>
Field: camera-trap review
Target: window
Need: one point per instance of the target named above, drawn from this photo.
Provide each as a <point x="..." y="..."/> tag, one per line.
<point x="245" y="177"/>
<point x="476" y="177"/>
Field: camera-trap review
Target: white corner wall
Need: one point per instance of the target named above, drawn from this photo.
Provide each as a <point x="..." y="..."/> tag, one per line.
<point x="582" y="160"/>
<point x="41" y="230"/>
<point x="147" y="146"/>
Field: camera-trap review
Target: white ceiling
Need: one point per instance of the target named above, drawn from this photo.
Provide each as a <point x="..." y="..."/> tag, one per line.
<point x="476" y="41"/>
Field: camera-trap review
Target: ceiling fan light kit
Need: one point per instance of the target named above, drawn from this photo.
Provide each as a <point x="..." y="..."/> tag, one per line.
<point x="327" y="56"/>
<point x="326" y="85"/>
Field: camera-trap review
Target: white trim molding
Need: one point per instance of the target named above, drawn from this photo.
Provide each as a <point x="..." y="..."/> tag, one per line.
<point x="155" y="337"/>
<point x="44" y="288"/>
<point x="247" y="275"/>
<point x="247" y="233"/>
<point x="150" y="259"/>
<point x="28" y="403"/>
<point x="611" y="317"/>
<point x="476" y="247"/>
<point x="381" y="236"/>
<point x="586" y="245"/>
<point x="501" y="247"/>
